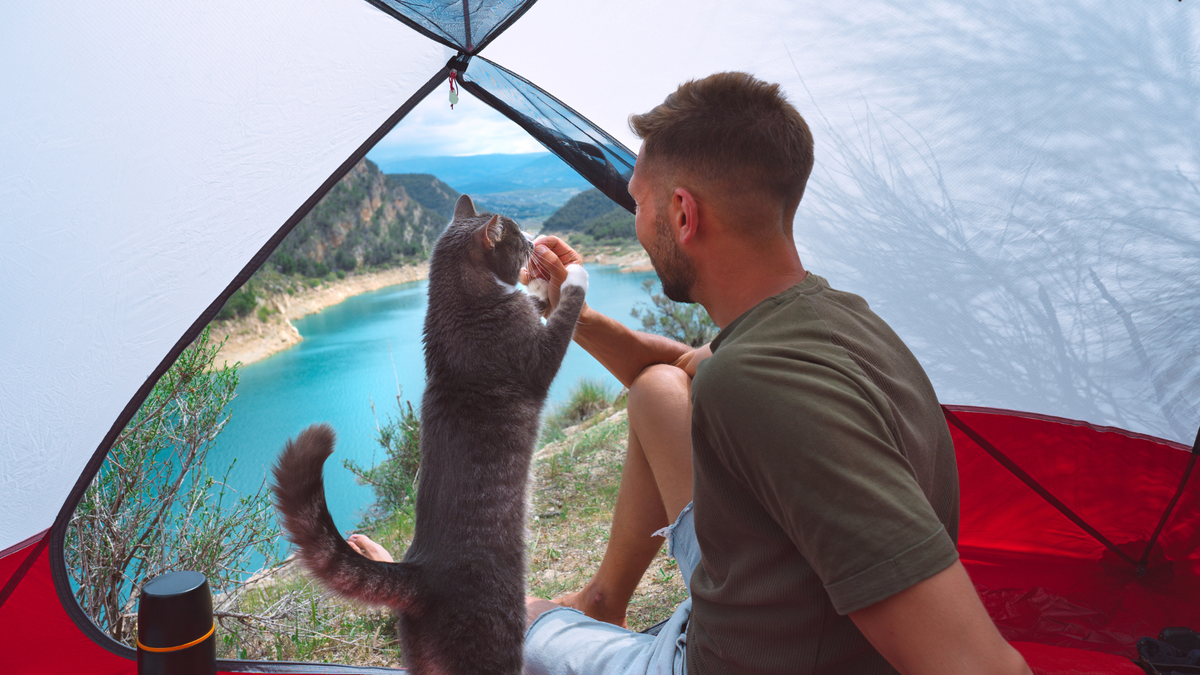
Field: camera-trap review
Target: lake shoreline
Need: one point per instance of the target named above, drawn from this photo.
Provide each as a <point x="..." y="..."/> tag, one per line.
<point x="251" y="339"/>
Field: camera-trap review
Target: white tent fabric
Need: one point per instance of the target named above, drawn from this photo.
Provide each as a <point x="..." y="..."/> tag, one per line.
<point x="147" y="151"/>
<point x="1014" y="186"/>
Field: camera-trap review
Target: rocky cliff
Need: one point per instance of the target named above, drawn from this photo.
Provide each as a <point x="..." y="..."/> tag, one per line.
<point x="368" y="219"/>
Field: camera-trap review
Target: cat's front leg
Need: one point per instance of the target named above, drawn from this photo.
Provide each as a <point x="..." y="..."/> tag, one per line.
<point x="560" y="327"/>
<point x="576" y="276"/>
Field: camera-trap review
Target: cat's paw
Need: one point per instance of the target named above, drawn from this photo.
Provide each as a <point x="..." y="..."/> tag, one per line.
<point x="576" y="276"/>
<point x="539" y="289"/>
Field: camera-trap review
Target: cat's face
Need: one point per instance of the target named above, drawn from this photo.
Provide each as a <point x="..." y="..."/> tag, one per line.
<point x="495" y="241"/>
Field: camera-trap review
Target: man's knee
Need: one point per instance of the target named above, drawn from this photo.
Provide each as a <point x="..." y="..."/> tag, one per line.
<point x="658" y="386"/>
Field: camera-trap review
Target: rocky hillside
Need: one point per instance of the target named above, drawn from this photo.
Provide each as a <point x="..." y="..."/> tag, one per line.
<point x="368" y="219"/>
<point x="593" y="214"/>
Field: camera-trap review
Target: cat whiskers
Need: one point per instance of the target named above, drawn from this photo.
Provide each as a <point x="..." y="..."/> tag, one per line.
<point x="543" y="270"/>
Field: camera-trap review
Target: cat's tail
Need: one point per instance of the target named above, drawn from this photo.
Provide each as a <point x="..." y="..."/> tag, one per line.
<point x="300" y="497"/>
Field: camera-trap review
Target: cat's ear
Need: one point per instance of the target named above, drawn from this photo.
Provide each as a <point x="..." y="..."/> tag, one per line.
<point x="464" y="208"/>
<point x="489" y="233"/>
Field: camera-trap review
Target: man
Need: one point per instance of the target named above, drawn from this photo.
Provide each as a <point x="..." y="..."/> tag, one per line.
<point x="813" y="448"/>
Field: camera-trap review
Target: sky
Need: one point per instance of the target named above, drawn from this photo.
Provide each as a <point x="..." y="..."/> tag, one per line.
<point x="471" y="128"/>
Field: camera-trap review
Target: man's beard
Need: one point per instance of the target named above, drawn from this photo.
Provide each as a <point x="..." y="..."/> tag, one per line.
<point x="675" y="270"/>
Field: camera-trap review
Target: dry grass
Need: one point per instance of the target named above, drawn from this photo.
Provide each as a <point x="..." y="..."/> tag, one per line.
<point x="574" y="489"/>
<point x="576" y="475"/>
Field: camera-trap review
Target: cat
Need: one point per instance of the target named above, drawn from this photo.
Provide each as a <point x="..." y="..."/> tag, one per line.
<point x="459" y="592"/>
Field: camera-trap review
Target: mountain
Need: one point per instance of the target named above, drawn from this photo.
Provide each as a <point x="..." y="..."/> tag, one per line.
<point x="528" y="187"/>
<point x="592" y="213"/>
<point x="490" y="174"/>
<point x="428" y="191"/>
<point x="368" y="218"/>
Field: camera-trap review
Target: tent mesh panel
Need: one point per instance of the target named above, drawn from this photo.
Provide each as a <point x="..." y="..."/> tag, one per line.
<point x="597" y="156"/>
<point x="466" y="25"/>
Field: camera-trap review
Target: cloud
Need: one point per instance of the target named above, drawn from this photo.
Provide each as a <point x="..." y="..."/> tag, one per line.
<point x="432" y="129"/>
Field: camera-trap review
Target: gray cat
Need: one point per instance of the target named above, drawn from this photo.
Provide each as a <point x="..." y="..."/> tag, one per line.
<point x="489" y="362"/>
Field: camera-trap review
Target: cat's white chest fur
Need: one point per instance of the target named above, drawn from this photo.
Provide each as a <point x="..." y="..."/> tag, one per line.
<point x="511" y="288"/>
<point x="540" y="288"/>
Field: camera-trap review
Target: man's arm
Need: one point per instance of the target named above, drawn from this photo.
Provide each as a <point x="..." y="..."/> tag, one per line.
<point x="624" y="352"/>
<point x="938" y="626"/>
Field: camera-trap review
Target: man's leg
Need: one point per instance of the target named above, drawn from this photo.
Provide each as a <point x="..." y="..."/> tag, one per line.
<point x="656" y="484"/>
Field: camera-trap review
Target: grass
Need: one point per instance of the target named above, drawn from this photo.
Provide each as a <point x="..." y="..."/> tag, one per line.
<point x="293" y="619"/>
<point x="576" y="474"/>
<point x="588" y="398"/>
<point x="574" y="490"/>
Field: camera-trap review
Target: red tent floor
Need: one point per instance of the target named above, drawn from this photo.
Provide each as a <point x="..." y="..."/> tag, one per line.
<point x="1067" y="601"/>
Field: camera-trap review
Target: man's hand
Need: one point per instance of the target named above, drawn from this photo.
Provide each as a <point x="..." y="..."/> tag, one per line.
<point x="624" y="352"/>
<point x="549" y="261"/>
<point x="688" y="362"/>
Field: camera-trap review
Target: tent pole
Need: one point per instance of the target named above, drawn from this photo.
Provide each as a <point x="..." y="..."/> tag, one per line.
<point x="1187" y="472"/>
<point x="467" y="25"/>
<point x="1035" y="486"/>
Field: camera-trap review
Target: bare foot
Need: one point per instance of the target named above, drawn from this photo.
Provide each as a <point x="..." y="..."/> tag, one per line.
<point x="366" y="547"/>
<point x="592" y="604"/>
<point x="535" y="607"/>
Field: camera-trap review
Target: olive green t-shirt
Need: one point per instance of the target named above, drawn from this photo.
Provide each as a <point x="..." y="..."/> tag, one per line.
<point x="825" y="481"/>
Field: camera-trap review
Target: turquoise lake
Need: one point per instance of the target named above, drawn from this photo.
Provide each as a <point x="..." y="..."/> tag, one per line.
<point x="343" y="364"/>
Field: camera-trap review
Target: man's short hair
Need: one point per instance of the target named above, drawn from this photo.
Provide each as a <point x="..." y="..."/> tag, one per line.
<point x="733" y="130"/>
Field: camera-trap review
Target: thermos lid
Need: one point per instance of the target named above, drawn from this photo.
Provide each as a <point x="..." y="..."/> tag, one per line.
<point x="174" y="609"/>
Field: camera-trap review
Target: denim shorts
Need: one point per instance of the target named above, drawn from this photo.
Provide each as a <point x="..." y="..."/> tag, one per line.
<point x="564" y="641"/>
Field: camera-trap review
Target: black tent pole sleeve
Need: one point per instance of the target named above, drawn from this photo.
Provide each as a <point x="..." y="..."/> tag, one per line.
<point x="1035" y="486"/>
<point x="1187" y="473"/>
<point x="467" y="26"/>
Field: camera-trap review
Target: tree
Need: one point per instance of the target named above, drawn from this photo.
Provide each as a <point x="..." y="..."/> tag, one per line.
<point x="686" y="323"/>
<point x="154" y="507"/>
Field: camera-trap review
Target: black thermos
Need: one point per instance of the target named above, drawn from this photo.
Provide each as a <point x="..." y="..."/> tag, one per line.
<point x="176" y="632"/>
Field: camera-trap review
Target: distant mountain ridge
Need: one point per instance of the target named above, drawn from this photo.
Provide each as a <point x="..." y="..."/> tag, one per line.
<point x="490" y="174"/>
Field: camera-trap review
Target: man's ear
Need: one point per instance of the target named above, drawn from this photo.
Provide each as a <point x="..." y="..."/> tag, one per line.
<point x="686" y="215"/>
<point x="489" y="233"/>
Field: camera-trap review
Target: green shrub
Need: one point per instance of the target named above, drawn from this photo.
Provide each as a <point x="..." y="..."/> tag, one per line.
<point x="242" y="302"/>
<point x="394" y="480"/>
<point x="587" y="398"/>
<point x="344" y="260"/>
<point x="686" y="323"/>
<point x="155" y="506"/>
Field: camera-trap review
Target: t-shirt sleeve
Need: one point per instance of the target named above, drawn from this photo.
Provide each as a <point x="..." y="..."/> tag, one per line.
<point x="810" y="441"/>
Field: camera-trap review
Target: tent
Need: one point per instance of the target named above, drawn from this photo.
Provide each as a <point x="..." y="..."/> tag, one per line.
<point x="1015" y="187"/>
